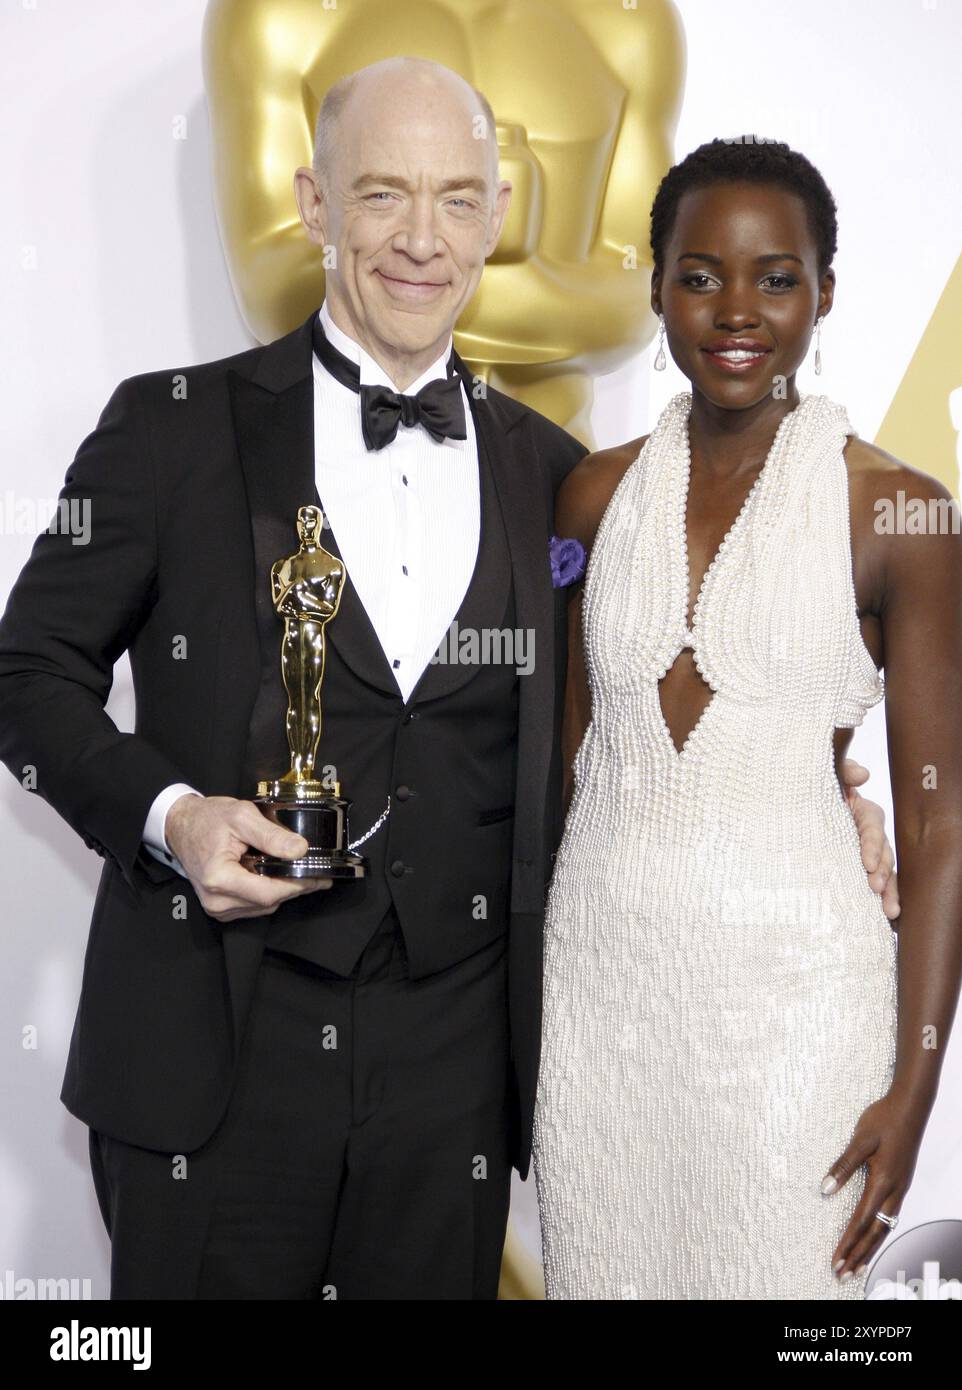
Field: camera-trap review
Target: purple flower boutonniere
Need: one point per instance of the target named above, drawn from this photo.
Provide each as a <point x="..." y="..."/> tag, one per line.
<point x="567" y="561"/>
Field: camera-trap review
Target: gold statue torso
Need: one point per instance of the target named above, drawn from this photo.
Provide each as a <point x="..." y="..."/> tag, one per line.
<point x="306" y="588"/>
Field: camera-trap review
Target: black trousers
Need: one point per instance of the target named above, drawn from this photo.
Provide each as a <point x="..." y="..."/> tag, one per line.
<point x="364" y="1152"/>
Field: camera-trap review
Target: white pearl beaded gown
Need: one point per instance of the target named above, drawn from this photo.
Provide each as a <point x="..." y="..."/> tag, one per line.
<point x="719" y="978"/>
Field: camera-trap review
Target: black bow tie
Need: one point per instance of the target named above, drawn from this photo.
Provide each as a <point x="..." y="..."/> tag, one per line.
<point x="438" y="406"/>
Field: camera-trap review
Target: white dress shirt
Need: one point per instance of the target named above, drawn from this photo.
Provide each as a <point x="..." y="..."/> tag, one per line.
<point x="407" y="520"/>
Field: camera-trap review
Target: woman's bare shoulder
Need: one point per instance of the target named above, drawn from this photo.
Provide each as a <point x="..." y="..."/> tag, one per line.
<point x="875" y="474"/>
<point x="892" y="504"/>
<point x="585" y="493"/>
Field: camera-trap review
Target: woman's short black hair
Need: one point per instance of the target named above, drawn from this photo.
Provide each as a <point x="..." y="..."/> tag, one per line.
<point x="747" y="159"/>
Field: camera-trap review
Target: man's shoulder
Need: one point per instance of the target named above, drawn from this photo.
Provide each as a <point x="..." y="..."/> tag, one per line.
<point x="517" y="410"/>
<point x="557" y="450"/>
<point x="214" y="372"/>
<point x="275" y="365"/>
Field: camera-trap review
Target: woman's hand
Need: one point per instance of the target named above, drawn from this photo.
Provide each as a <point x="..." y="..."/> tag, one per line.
<point x="887" y="1139"/>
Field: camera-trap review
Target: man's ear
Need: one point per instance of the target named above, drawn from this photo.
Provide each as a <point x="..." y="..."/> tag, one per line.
<point x="311" y="204"/>
<point x="502" y="200"/>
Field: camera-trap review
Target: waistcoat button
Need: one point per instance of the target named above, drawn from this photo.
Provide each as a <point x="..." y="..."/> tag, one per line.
<point x="402" y="792"/>
<point x="397" y="868"/>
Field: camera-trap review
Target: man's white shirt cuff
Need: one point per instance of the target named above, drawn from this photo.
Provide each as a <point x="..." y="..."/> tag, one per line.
<point x="153" y="836"/>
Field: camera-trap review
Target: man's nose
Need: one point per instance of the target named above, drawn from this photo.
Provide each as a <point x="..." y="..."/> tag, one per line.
<point x="418" y="232"/>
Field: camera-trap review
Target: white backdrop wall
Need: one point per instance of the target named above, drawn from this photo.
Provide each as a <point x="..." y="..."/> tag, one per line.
<point x="110" y="264"/>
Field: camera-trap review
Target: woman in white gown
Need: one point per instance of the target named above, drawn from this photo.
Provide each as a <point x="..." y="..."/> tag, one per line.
<point x="735" y="1079"/>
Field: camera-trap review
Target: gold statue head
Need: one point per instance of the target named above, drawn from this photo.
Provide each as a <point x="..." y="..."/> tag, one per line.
<point x="310" y="519"/>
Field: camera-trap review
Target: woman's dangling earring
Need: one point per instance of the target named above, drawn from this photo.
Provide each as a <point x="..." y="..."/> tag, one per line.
<point x="660" y="362"/>
<point x="818" y="345"/>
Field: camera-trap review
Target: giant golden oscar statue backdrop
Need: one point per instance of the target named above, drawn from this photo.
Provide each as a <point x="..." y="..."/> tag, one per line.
<point x="586" y="96"/>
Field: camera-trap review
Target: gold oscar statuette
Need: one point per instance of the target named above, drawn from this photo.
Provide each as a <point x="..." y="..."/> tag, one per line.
<point x="306" y="590"/>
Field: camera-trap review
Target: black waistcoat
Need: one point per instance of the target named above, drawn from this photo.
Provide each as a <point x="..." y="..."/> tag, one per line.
<point x="446" y="757"/>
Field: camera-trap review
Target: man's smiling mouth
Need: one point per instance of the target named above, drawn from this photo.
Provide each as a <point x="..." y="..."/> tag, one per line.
<point x="413" y="287"/>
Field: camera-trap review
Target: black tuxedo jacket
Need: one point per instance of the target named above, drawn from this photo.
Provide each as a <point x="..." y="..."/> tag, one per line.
<point x="179" y="467"/>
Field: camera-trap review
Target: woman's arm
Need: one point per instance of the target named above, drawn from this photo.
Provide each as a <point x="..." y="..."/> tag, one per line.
<point x="917" y="583"/>
<point x="921" y="615"/>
